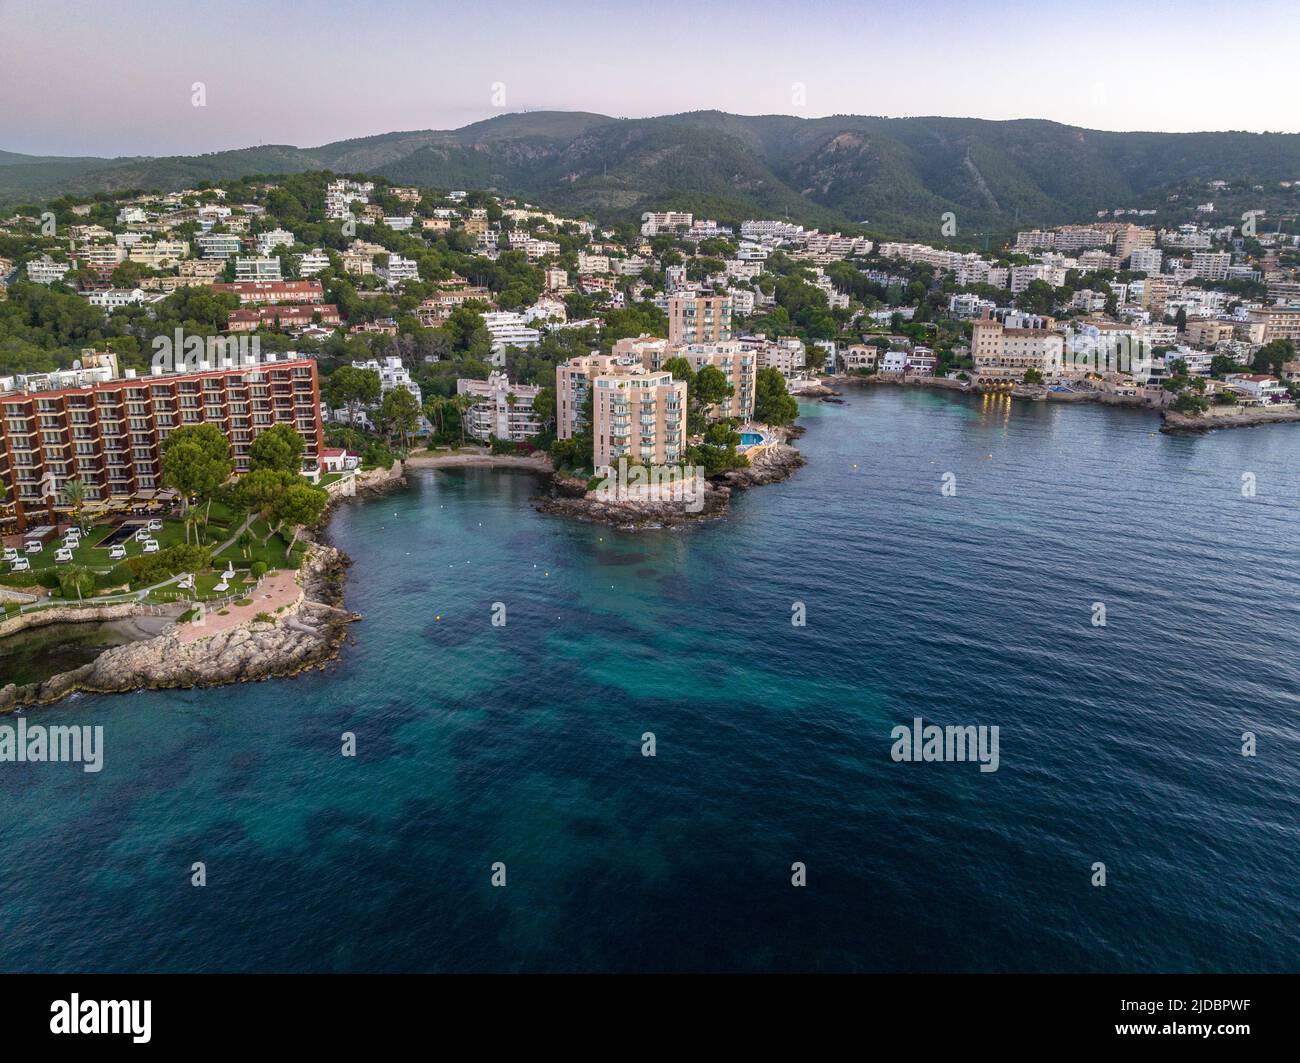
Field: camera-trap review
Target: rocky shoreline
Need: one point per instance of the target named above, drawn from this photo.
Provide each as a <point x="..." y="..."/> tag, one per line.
<point x="1175" y="422"/>
<point x="304" y="636"/>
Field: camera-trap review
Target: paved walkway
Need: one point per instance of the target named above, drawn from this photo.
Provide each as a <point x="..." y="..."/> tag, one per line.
<point x="279" y="588"/>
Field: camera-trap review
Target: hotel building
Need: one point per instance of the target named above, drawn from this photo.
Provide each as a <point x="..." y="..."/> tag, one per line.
<point x="109" y="434"/>
<point x="1279" y="323"/>
<point x="1002" y="354"/>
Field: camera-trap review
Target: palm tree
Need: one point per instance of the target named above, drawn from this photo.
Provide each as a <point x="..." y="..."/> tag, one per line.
<point x="463" y="403"/>
<point x="74" y="497"/>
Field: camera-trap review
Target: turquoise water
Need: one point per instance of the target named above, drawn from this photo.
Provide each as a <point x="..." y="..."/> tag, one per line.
<point x="750" y="439"/>
<point x="522" y="744"/>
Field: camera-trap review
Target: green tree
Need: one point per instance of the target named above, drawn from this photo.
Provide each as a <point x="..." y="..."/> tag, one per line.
<point x="773" y="403"/>
<point x="399" y="414"/>
<point x="196" y="462"/>
<point x="1273" y="355"/>
<point x="301" y="504"/>
<point x="279" y="447"/>
<point x="711" y="386"/>
<point x="353" y="388"/>
<point x="258" y="492"/>
<point x="681" y="370"/>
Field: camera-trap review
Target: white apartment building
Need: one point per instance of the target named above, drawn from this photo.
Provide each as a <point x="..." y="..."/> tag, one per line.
<point x="218" y="245"/>
<point x="313" y="262"/>
<point x="398" y="269"/>
<point x="1211" y="265"/>
<point x="509" y="329"/>
<point x="273" y="238"/>
<point x="257" y="268"/>
<point x="1146" y="259"/>
<point x="505" y="410"/>
<point x="45" y="270"/>
<point x="392" y="374"/>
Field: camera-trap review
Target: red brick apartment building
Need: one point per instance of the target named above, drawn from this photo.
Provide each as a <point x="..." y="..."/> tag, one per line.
<point x="253" y="292"/>
<point x="110" y="434"/>
<point x="281" y="316"/>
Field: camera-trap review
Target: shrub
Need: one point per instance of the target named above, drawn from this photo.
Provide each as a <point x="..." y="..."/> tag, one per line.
<point x="76" y="583"/>
<point x="258" y="570"/>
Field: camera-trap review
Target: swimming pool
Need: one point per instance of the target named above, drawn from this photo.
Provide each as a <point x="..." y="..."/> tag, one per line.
<point x="750" y="439"/>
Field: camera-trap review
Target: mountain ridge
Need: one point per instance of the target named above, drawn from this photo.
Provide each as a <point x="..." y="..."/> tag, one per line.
<point x="893" y="175"/>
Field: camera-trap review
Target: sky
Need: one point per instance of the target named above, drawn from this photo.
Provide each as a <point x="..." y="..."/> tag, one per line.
<point x="104" y="77"/>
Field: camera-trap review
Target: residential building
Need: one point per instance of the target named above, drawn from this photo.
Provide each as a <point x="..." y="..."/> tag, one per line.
<point x="505" y="410"/>
<point x="45" y="270"/>
<point x="637" y="413"/>
<point x="252" y="292"/>
<point x="257" y="268"/>
<point x="268" y="241"/>
<point x="282" y="316"/>
<point x="699" y="317"/>
<point x="392" y="374"/>
<point x="731" y="358"/>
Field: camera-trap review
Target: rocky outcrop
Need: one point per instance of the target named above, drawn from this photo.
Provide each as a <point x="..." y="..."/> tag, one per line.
<point x="303" y="637"/>
<point x="768" y="466"/>
<point x="631" y="514"/>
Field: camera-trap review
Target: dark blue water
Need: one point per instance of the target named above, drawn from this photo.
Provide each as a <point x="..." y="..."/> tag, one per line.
<point x="521" y="744"/>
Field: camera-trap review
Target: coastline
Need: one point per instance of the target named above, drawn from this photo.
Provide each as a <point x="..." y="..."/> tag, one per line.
<point x="1172" y="422"/>
<point x="304" y="633"/>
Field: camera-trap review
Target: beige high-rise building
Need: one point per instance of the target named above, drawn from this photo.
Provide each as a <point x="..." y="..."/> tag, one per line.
<point x="699" y="317"/>
<point x="738" y="365"/>
<point x="636" y="413"/>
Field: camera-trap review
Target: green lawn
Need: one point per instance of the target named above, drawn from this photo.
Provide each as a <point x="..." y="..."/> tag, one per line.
<point x="96" y="558"/>
<point x="221" y="526"/>
<point x="270" y="553"/>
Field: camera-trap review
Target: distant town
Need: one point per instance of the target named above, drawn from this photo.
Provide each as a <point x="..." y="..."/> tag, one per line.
<point x="368" y="318"/>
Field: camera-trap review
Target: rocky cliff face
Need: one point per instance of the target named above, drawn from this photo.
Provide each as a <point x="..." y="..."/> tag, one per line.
<point x="297" y="639"/>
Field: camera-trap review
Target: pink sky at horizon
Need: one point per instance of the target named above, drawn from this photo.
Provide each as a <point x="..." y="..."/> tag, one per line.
<point x="114" y="78"/>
